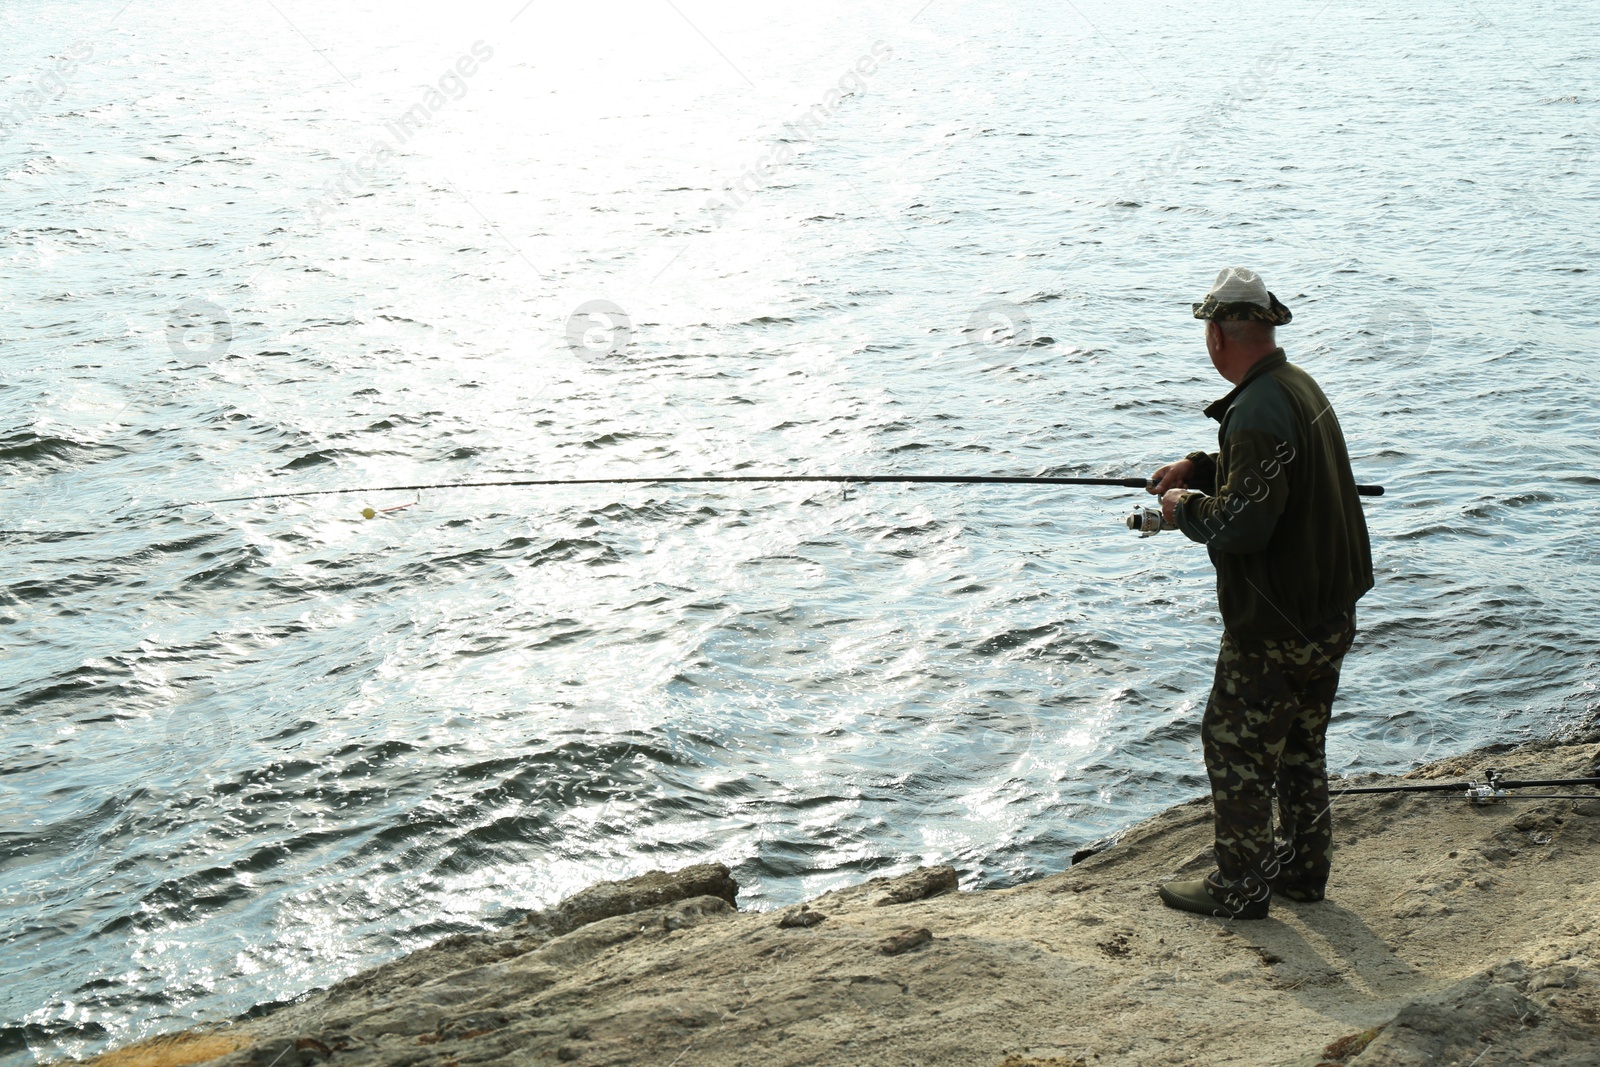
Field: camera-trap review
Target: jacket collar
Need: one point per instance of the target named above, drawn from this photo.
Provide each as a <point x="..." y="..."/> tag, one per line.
<point x="1275" y="358"/>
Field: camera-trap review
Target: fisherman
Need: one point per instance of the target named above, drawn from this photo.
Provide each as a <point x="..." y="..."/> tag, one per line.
<point x="1277" y="510"/>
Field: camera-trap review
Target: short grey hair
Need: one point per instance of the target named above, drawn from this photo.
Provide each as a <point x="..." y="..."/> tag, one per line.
<point x="1248" y="331"/>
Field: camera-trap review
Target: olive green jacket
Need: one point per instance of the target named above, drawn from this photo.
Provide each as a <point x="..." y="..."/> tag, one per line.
<point x="1278" y="512"/>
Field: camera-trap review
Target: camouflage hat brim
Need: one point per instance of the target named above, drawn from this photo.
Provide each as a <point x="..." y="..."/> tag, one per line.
<point x="1244" y="310"/>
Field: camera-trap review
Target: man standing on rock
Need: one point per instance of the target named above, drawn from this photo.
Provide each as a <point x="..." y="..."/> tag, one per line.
<point x="1278" y="513"/>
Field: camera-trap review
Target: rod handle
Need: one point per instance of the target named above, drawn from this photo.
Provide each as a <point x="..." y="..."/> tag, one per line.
<point x="1361" y="490"/>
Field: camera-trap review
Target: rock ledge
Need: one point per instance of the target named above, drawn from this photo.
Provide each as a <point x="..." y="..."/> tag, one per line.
<point x="1452" y="933"/>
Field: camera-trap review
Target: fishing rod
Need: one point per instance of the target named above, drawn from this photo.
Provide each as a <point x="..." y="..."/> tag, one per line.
<point x="855" y="479"/>
<point x="1493" y="788"/>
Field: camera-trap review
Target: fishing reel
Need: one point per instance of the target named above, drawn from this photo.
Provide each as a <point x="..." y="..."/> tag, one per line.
<point x="1489" y="791"/>
<point x="1148" y="522"/>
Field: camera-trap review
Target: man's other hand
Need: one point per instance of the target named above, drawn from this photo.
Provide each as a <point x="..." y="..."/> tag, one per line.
<point x="1169" y="505"/>
<point x="1172" y="476"/>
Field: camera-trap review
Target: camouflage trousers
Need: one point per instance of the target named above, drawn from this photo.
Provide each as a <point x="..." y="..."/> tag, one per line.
<point x="1264" y="730"/>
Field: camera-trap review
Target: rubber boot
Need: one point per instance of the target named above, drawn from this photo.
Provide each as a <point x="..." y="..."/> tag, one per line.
<point x="1291" y="887"/>
<point x="1199" y="897"/>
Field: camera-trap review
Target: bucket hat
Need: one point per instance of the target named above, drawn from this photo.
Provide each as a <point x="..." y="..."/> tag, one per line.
<point x="1239" y="293"/>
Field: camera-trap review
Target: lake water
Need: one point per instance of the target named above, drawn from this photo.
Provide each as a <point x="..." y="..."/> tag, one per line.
<point x="250" y="748"/>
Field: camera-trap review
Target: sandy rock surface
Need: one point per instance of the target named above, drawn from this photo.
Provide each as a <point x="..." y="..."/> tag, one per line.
<point x="1452" y="933"/>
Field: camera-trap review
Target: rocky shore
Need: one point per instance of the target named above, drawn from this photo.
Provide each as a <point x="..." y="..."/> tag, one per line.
<point x="1453" y="933"/>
